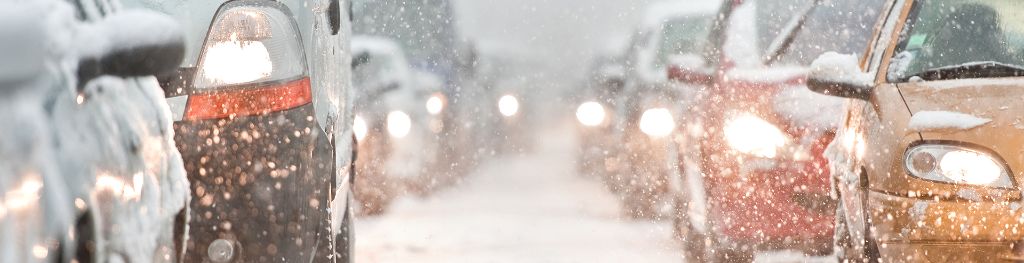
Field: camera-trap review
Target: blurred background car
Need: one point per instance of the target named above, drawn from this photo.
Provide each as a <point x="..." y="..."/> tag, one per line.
<point x="88" y="167"/>
<point x="927" y="161"/>
<point x="594" y="115"/>
<point x="754" y="171"/>
<point x="646" y="106"/>
<point x="397" y="123"/>
<point x="263" y="121"/>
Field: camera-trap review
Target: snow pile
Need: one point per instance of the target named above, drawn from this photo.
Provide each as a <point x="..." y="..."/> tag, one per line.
<point x="803" y="106"/>
<point x="940" y="121"/>
<point x="840" y="68"/>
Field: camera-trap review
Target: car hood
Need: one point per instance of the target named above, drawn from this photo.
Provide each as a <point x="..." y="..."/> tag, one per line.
<point x="980" y="112"/>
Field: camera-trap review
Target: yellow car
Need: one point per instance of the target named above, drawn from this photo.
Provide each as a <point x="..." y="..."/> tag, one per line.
<point x="928" y="164"/>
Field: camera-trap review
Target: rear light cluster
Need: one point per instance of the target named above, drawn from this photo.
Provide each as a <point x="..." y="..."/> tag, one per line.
<point x="251" y="64"/>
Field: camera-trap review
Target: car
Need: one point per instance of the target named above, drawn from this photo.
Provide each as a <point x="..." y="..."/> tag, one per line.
<point x="646" y="149"/>
<point x="601" y="88"/>
<point x="927" y="164"/>
<point x="88" y="167"/>
<point x="263" y="118"/>
<point x="752" y="164"/>
<point x="398" y="125"/>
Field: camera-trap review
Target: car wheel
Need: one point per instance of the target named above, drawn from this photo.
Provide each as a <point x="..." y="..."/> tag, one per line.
<point x="344" y="241"/>
<point x="846" y="249"/>
<point x="85" y="239"/>
<point x="693" y="242"/>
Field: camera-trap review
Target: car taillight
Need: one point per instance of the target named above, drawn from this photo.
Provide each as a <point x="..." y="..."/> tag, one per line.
<point x="252" y="63"/>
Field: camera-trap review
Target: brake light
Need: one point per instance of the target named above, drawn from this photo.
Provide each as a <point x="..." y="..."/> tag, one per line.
<point x="247" y="102"/>
<point x="252" y="63"/>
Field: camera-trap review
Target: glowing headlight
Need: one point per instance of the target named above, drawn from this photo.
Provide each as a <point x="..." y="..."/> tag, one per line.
<point x="657" y="122"/>
<point x="359" y="128"/>
<point x="399" y="124"/>
<point x="508" y="105"/>
<point x="234" y="62"/>
<point x="959" y="165"/>
<point x="24" y="196"/>
<point x="755" y="136"/>
<point x="590" y="113"/>
<point x="435" y="104"/>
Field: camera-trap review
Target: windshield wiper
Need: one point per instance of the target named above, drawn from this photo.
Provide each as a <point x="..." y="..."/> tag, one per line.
<point x="981" y="69"/>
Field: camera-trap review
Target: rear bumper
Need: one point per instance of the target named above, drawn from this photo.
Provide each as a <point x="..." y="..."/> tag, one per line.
<point x="772" y="204"/>
<point x="259" y="181"/>
<point x="945" y="230"/>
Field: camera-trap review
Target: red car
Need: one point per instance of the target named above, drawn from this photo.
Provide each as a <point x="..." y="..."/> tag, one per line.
<point x="753" y="172"/>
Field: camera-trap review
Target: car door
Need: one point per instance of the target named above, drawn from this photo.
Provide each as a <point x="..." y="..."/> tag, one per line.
<point x="846" y="154"/>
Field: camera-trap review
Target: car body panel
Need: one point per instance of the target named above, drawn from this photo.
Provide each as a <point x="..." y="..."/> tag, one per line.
<point x="914" y="219"/>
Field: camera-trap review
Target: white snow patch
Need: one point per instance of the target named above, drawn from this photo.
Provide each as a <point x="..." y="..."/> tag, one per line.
<point x="925" y="121"/>
<point x="126" y="30"/>
<point x="840" y="68"/>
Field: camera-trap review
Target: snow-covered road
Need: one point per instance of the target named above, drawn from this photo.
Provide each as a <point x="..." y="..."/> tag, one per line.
<point x="530" y="208"/>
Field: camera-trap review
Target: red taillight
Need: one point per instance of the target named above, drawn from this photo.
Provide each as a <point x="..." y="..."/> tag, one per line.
<point x="247" y="102"/>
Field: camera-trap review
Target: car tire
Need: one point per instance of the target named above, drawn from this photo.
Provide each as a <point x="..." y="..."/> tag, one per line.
<point x="85" y="239"/>
<point x="344" y="240"/>
<point x="693" y="243"/>
<point x="845" y="248"/>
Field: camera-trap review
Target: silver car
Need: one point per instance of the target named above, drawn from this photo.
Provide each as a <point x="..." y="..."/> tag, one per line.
<point x="263" y="117"/>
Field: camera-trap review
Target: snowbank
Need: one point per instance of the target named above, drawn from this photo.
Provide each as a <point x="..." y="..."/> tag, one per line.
<point x="938" y="121"/>
<point x="126" y="30"/>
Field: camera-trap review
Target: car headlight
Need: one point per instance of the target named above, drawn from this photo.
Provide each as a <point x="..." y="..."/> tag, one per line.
<point x="435" y="104"/>
<point x="508" y="105"/>
<point x="399" y="124"/>
<point x="958" y="165"/>
<point x="657" y="122"/>
<point x="359" y="128"/>
<point x="590" y="113"/>
<point x="752" y="135"/>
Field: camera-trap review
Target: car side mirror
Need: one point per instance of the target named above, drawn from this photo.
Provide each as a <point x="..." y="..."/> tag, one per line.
<point x="839" y="75"/>
<point x="132" y="43"/>
<point x="689" y="68"/>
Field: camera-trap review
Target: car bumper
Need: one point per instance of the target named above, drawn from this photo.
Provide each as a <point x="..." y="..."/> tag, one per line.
<point x="945" y="230"/>
<point x="257" y="181"/>
<point x="773" y="204"/>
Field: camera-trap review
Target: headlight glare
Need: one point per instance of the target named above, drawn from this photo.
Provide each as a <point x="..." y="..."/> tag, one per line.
<point x="508" y="105"/>
<point x="657" y="122"/>
<point x="359" y="128"/>
<point x="435" y="104"/>
<point x="399" y="124"/>
<point x="958" y="165"/>
<point x="590" y="113"/>
<point x="755" y="136"/>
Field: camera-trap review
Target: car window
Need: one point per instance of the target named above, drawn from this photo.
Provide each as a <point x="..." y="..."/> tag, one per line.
<point x="682" y="36"/>
<point x="956" y="33"/>
<point x="843" y="26"/>
<point x="753" y="25"/>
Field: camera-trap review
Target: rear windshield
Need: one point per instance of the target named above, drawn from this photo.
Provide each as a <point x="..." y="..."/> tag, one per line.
<point x="682" y="36"/>
<point x="954" y="33"/>
<point x="843" y="26"/>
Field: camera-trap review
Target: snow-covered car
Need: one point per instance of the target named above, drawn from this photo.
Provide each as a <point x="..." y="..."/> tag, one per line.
<point x="754" y="175"/>
<point x="262" y="112"/>
<point x="646" y="106"/>
<point x="398" y="124"/>
<point x="601" y="88"/>
<point x="88" y="167"/>
<point x="927" y="163"/>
